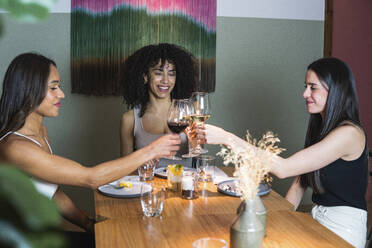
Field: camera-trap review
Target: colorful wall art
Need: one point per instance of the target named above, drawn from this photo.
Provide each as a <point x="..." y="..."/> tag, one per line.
<point x="105" y="32"/>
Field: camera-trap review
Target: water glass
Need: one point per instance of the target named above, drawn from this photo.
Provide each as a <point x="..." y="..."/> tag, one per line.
<point x="205" y="167"/>
<point x="174" y="177"/>
<point x="209" y="243"/>
<point x="146" y="171"/>
<point x="190" y="185"/>
<point x="152" y="199"/>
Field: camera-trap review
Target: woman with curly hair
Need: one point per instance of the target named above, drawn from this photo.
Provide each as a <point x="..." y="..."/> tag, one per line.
<point x="152" y="77"/>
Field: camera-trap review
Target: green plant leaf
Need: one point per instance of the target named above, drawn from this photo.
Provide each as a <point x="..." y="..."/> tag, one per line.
<point x="46" y="239"/>
<point x="26" y="205"/>
<point x="28" y="11"/>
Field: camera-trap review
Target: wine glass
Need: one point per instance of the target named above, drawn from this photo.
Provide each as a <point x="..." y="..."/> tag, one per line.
<point x="191" y="140"/>
<point x="202" y="112"/>
<point x="178" y="118"/>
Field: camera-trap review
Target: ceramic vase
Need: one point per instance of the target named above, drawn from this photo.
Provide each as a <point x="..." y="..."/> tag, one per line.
<point x="260" y="210"/>
<point x="247" y="230"/>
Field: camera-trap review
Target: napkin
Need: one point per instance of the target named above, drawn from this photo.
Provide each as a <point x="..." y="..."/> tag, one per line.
<point x="220" y="175"/>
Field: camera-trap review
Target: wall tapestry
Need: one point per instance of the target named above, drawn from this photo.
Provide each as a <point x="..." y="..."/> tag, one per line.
<point x="105" y="32"/>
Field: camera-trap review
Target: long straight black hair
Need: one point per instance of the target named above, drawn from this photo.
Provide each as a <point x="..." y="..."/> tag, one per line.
<point x="342" y="105"/>
<point x="24" y="88"/>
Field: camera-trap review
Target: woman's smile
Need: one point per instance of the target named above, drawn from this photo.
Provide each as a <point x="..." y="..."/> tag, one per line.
<point x="162" y="79"/>
<point x="163" y="88"/>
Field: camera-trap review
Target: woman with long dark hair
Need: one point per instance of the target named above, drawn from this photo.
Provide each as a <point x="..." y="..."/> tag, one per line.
<point x="31" y="91"/>
<point x="152" y="77"/>
<point x="334" y="162"/>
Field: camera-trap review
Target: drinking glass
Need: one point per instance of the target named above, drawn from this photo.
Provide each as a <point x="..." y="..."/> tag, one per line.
<point x="205" y="167"/>
<point x="152" y="199"/>
<point x="192" y="141"/>
<point x="178" y="117"/>
<point x="147" y="170"/>
<point x="209" y="243"/>
<point x="174" y="177"/>
<point x="190" y="188"/>
<point x="202" y="112"/>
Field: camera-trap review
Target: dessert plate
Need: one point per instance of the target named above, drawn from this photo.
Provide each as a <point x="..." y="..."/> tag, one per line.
<point x="229" y="188"/>
<point x="112" y="189"/>
<point x="162" y="171"/>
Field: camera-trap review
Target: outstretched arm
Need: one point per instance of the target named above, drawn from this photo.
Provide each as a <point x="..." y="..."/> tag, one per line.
<point x="55" y="169"/>
<point x="217" y="135"/>
<point x="346" y="142"/>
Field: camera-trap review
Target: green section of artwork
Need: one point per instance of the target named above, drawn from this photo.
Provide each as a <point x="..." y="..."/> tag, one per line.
<point x="123" y="31"/>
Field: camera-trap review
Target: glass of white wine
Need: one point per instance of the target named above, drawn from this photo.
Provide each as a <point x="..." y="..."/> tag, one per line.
<point x="201" y="113"/>
<point x="192" y="142"/>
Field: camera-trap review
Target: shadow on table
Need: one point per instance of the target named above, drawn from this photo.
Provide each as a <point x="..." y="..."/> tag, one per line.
<point x="202" y="193"/>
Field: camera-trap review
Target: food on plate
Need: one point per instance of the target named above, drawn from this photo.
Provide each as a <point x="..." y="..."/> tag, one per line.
<point x="125" y="184"/>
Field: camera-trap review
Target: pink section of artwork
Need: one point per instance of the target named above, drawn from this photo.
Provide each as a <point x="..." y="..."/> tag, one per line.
<point x="203" y="11"/>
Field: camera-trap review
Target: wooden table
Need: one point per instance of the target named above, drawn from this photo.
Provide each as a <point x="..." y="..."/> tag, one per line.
<point x="183" y="221"/>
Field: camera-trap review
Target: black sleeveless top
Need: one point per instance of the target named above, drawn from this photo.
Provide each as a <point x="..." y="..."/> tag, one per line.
<point x="345" y="183"/>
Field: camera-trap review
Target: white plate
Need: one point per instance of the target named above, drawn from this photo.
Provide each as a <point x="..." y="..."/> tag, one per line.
<point x="129" y="178"/>
<point x="162" y="171"/>
<point x="135" y="191"/>
<point x="263" y="188"/>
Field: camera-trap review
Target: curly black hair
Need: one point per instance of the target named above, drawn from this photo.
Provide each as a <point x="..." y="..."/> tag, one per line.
<point x="136" y="92"/>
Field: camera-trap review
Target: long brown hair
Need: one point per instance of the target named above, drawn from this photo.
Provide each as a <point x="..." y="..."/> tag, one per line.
<point x="24" y="88"/>
<point x="342" y="105"/>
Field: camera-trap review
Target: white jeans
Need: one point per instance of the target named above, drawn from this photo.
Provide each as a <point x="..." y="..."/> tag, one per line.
<point x="347" y="222"/>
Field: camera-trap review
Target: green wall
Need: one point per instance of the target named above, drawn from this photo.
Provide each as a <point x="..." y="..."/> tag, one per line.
<point x="260" y="73"/>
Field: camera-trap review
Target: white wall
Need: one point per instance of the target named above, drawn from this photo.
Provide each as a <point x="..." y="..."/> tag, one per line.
<point x="274" y="9"/>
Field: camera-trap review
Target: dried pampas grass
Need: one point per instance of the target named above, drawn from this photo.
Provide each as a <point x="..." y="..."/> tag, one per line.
<point x="253" y="163"/>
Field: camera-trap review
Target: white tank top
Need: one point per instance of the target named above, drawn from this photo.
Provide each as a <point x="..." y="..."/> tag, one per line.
<point x="44" y="188"/>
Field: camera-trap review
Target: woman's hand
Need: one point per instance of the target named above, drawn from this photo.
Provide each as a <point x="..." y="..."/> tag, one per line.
<point x="166" y="145"/>
<point x="190" y="131"/>
<point x="153" y="162"/>
<point x="210" y="134"/>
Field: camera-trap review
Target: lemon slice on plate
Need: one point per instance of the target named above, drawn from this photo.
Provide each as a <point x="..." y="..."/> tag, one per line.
<point x="125" y="184"/>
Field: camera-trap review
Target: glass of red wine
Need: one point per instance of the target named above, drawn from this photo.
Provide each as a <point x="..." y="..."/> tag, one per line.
<point x="178" y="117"/>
